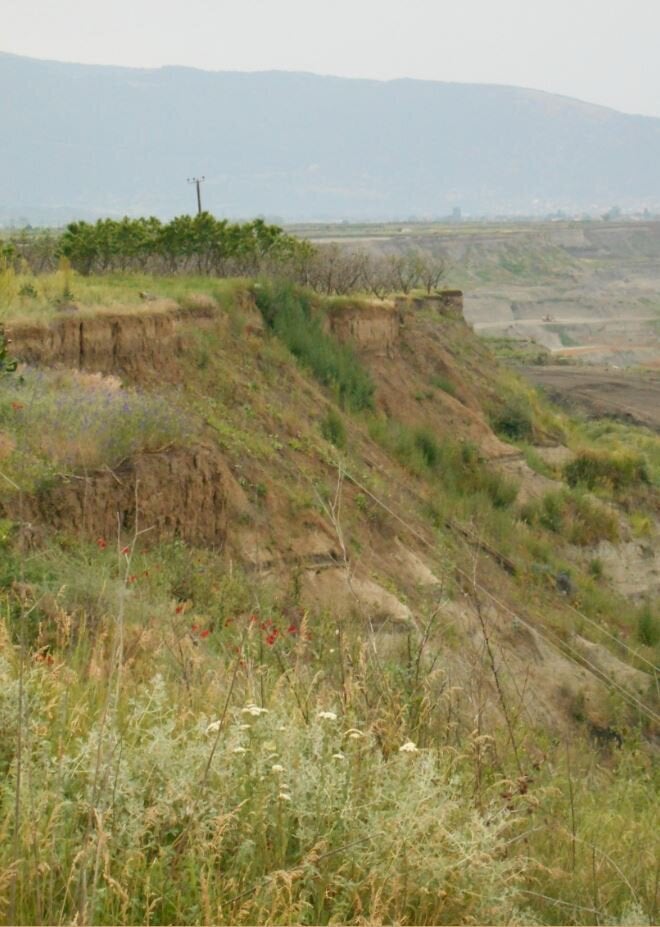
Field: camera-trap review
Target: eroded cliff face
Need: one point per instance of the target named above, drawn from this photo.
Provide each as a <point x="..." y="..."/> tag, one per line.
<point x="179" y="492"/>
<point x="106" y="343"/>
<point x="373" y="328"/>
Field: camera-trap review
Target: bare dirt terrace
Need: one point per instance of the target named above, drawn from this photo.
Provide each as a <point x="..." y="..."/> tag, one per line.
<point x="601" y="391"/>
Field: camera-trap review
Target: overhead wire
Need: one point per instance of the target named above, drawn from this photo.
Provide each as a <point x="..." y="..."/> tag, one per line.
<point x="561" y="647"/>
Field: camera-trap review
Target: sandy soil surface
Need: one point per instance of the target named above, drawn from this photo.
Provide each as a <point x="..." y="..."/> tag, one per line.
<point x="602" y="391"/>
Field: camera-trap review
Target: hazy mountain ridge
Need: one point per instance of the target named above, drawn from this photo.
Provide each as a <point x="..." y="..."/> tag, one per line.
<point x="99" y="139"/>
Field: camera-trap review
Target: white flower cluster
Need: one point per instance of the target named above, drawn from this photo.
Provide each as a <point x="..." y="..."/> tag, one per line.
<point x="327" y="716"/>
<point x="408" y="747"/>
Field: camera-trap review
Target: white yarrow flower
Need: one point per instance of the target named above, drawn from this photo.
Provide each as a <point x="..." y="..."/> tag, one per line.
<point x="284" y="796"/>
<point x="338" y="756"/>
<point x="239" y="750"/>
<point x="213" y="727"/>
<point x="327" y="716"/>
<point x="408" y="747"/>
<point x="277" y="768"/>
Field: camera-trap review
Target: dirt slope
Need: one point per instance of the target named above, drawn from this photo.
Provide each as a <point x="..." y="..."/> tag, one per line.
<point x="324" y="533"/>
<point x="602" y="392"/>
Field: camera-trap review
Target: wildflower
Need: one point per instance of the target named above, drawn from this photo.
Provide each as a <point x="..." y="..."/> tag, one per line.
<point x="101" y="543"/>
<point x="338" y="756"/>
<point x="408" y="747"/>
<point x="327" y="716"/>
<point x="213" y="727"/>
<point x="125" y="551"/>
<point x="270" y="640"/>
<point x="179" y="608"/>
<point x="284" y="796"/>
<point x="17" y="406"/>
<point x="277" y="768"/>
<point x="205" y="633"/>
<point x="239" y="750"/>
<point x="292" y="629"/>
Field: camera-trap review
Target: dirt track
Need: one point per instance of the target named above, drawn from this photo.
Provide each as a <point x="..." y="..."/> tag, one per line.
<point x="602" y="392"/>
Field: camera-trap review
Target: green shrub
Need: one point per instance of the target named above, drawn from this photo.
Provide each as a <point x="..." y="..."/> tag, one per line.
<point x="514" y="420"/>
<point x="599" y="469"/>
<point x="574" y="516"/>
<point x="444" y="384"/>
<point x="648" y="626"/>
<point x="427" y="445"/>
<point x="333" y="429"/>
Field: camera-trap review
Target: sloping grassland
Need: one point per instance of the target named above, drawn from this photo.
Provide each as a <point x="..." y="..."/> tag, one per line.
<point x="304" y="620"/>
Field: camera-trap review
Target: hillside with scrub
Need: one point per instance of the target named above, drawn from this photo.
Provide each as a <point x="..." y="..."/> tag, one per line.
<point x="311" y="610"/>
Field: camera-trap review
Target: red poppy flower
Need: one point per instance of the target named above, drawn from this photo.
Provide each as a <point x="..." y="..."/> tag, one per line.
<point x="270" y="640"/>
<point x="101" y="543"/>
<point x="204" y="633"/>
<point x="125" y="550"/>
<point x="292" y="629"/>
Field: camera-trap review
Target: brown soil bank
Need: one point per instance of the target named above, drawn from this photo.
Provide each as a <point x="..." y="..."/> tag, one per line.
<point x="108" y="343"/>
<point x="178" y="492"/>
<point x="602" y="392"/>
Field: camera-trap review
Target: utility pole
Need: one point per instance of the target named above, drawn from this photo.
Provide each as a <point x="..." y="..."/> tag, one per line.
<point x="197" y="181"/>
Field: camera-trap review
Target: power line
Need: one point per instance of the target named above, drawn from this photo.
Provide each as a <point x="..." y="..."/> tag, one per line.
<point x="562" y="647"/>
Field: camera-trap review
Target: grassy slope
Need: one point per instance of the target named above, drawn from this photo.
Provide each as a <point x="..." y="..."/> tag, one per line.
<point x="130" y="802"/>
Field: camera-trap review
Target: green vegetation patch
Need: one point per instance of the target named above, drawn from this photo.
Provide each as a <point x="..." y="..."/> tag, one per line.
<point x="573" y="515"/>
<point x="613" y="471"/>
<point x="290" y="314"/>
<point x="455" y="466"/>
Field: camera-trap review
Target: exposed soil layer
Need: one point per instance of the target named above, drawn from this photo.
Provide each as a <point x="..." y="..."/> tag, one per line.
<point x="602" y="392"/>
<point x="179" y="492"/>
<point x="138" y="346"/>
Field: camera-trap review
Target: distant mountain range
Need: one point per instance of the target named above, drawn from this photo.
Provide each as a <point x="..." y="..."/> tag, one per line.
<point x="83" y="140"/>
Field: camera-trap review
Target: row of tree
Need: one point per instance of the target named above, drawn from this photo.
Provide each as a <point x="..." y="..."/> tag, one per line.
<point x="205" y="245"/>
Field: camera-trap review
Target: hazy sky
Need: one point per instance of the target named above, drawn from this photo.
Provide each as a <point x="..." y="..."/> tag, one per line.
<point x="604" y="51"/>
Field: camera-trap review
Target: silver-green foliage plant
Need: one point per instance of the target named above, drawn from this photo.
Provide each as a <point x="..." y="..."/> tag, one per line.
<point x="295" y="821"/>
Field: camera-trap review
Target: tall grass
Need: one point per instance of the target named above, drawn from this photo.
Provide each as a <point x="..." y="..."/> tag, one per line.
<point x="25" y="296"/>
<point x="188" y="767"/>
<point x="289" y="313"/>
